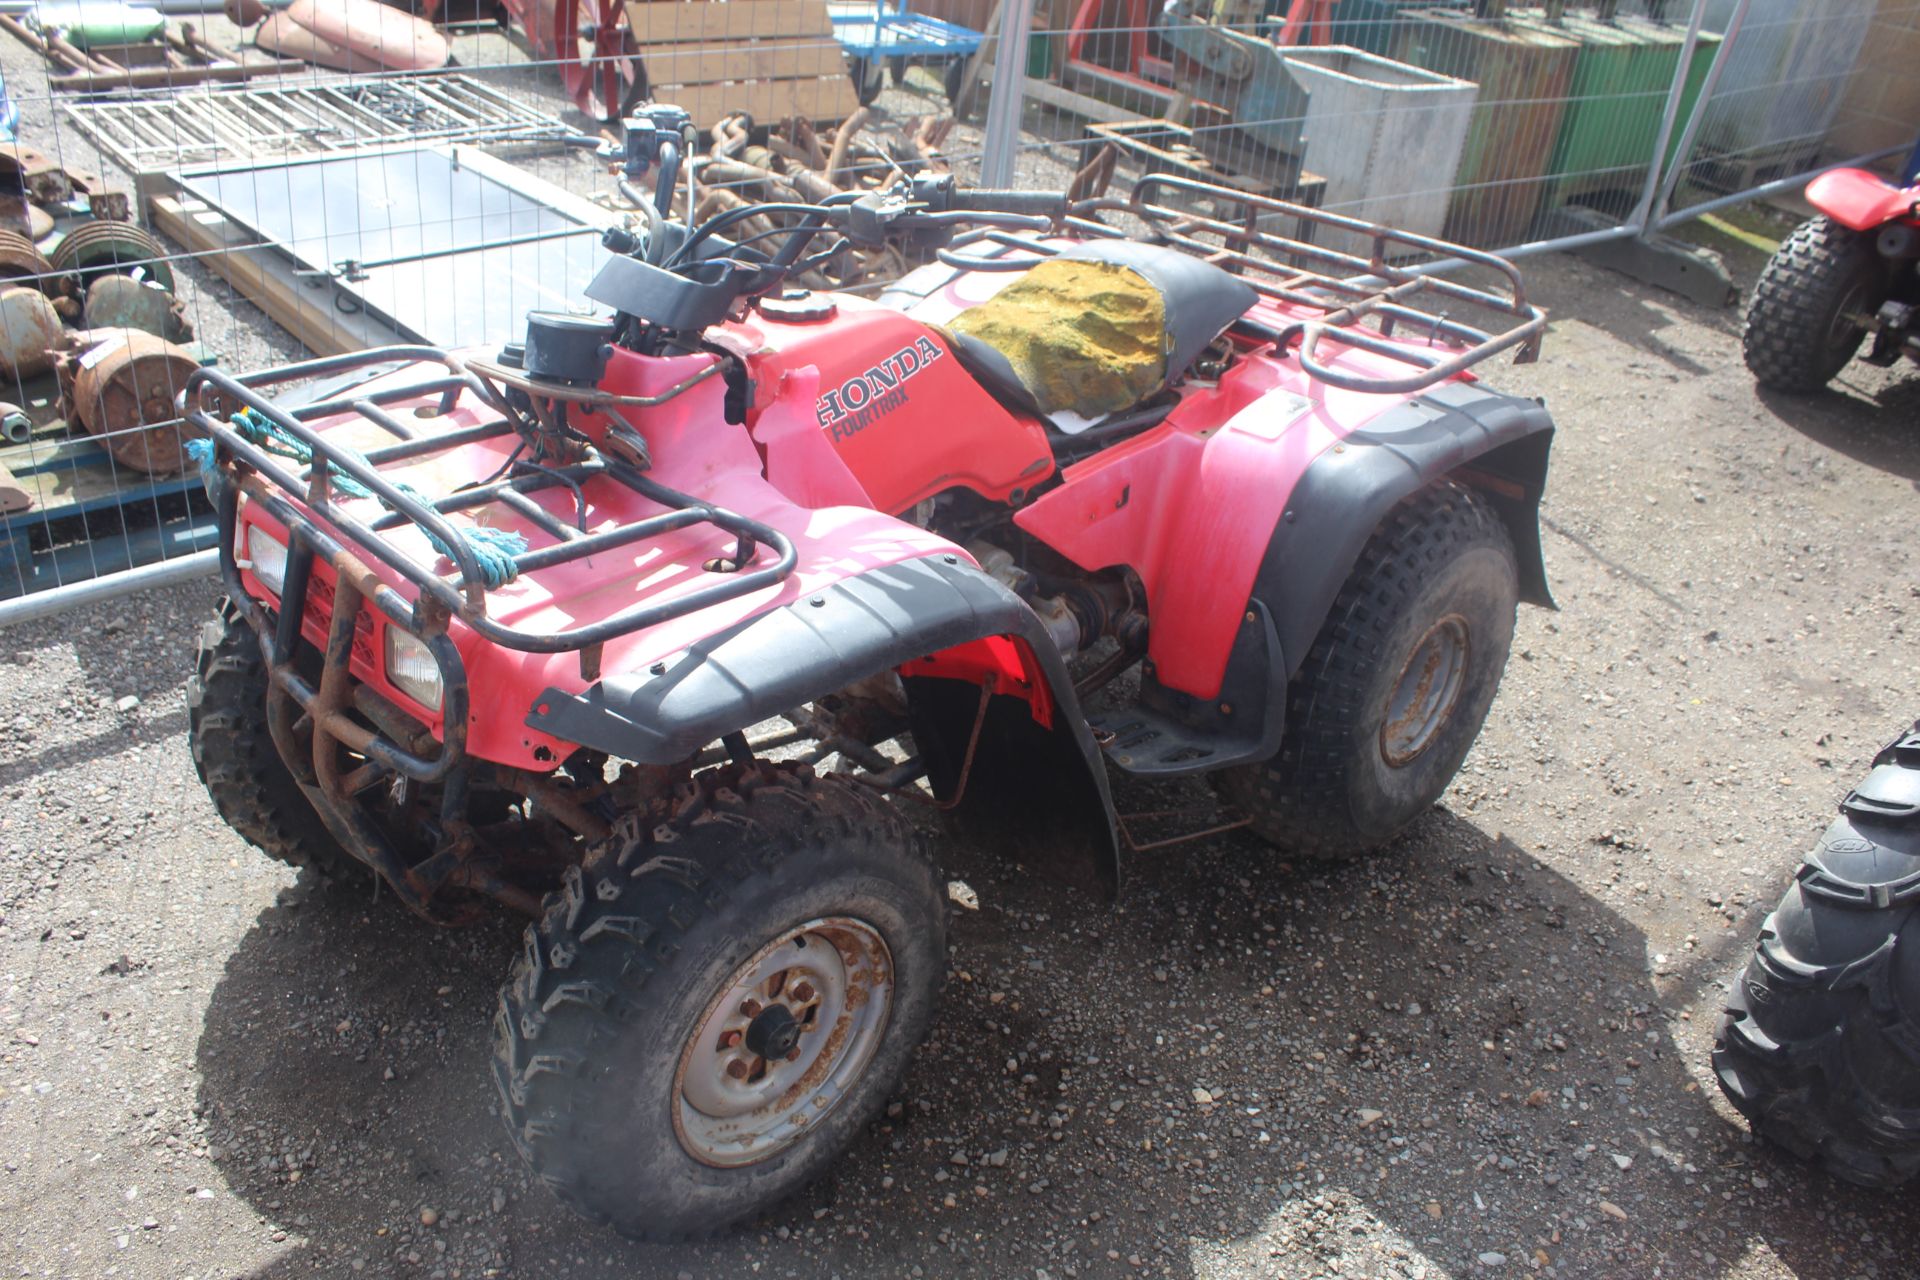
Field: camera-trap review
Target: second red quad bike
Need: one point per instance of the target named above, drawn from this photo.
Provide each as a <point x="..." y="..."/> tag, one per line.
<point x="1851" y="273"/>
<point x="654" y="625"/>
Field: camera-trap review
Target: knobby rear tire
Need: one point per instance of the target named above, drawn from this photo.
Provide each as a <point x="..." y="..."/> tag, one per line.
<point x="1331" y="792"/>
<point x="1796" y="339"/>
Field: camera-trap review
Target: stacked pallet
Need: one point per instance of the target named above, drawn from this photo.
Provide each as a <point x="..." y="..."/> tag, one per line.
<point x="771" y="58"/>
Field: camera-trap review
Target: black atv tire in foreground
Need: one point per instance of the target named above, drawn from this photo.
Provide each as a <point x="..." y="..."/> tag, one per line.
<point x="1801" y="326"/>
<point x="1397" y="684"/>
<point x="715" y="1005"/>
<point x="1820" y="1046"/>
<point x="251" y="787"/>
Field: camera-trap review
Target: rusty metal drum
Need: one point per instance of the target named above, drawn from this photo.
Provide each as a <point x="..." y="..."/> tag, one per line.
<point x="122" y="389"/>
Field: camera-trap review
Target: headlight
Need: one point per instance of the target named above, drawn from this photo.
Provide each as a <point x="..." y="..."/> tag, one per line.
<point x="269" y="557"/>
<point x="411" y="668"/>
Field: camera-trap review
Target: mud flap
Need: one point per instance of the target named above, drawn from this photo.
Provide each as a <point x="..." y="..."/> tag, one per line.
<point x="1032" y="794"/>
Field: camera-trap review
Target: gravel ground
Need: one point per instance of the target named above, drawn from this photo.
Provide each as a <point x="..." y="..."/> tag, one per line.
<point x="1481" y="1052"/>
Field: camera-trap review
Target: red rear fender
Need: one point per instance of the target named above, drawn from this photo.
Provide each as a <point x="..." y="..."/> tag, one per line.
<point x="1862" y="201"/>
<point x="1243" y="516"/>
<point x="1188" y="507"/>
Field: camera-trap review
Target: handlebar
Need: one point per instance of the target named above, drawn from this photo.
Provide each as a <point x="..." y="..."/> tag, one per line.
<point x="705" y="273"/>
<point x="1035" y="204"/>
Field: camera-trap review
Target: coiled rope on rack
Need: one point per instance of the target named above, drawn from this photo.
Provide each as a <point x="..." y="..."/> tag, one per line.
<point x="493" y="550"/>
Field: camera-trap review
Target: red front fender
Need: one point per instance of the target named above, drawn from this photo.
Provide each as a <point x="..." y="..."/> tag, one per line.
<point x="1862" y="201"/>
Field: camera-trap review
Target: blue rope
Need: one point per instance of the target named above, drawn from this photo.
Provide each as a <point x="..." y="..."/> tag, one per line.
<point x="202" y="453"/>
<point x="493" y="550"/>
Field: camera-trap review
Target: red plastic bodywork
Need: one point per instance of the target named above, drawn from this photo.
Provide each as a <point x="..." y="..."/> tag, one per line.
<point x="694" y="450"/>
<point x="899" y="417"/>
<point x="842" y="429"/>
<point x="1190" y="506"/>
<point x="1006" y="659"/>
<point x="1863" y="201"/>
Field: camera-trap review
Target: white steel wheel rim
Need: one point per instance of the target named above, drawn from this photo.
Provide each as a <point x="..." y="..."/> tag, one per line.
<point x="784" y="1042"/>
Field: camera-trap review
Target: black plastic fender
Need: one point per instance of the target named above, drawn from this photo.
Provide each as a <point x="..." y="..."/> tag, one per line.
<point x="1489" y="440"/>
<point x="1044" y="790"/>
<point x="1494" y="442"/>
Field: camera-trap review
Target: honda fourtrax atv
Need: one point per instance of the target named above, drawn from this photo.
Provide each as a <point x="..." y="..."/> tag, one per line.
<point x="1820" y="1046"/>
<point x="1851" y="272"/>
<point x="657" y="625"/>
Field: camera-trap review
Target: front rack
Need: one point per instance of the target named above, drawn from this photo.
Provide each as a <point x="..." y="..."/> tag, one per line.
<point x="1346" y="290"/>
<point x="213" y="396"/>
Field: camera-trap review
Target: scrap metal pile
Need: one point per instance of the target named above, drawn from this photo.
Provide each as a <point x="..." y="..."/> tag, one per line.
<point x="98" y="310"/>
<point x="797" y="164"/>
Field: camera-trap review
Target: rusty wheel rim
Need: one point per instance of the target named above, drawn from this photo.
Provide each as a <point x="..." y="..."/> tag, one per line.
<point x="1424" y="695"/>
<point x="784" y="1042"/>
<point x="591" y="44"/>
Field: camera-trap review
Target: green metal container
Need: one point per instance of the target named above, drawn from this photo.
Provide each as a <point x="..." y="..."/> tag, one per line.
<point x="1524" y="74"/>
<point x="1622" y="76"/>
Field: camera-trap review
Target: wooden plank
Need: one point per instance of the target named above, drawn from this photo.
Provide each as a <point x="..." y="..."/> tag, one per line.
<point x="827" y="98"/>
<point x="1064" y="99"/>
<point x="266" y="279"/>
<point x="672" y="22"/>
<point x="800" y="58"/>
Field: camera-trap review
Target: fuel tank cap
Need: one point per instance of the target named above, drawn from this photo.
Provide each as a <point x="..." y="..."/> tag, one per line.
<point x="796" y="306"/>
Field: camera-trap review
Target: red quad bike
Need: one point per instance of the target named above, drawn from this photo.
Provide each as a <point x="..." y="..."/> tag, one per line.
<point x="671" y="614"/>
<point x="1850" y="272"/>
<point x="1820" y="1045"/>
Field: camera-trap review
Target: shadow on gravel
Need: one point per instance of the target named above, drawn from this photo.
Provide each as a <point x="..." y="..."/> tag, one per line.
<point x="100" y="746"/>
<point x="1879" y="431"/>
<point x="1638" y="322"/>
<point x="1407" y="1065"/>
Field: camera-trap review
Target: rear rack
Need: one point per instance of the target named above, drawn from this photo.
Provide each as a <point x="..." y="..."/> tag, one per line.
<point x="1346" y="289"/>
<point x="213" y="396"/>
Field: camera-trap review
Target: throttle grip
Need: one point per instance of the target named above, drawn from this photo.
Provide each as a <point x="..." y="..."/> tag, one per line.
<point x="1041" y="204"/>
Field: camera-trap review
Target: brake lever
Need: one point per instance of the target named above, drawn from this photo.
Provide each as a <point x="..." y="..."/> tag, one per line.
<point x="820" y="259"/>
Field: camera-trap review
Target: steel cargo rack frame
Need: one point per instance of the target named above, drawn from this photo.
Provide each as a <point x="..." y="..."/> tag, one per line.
<point x="332" y="702"/>
<point x="1346" y="289"/>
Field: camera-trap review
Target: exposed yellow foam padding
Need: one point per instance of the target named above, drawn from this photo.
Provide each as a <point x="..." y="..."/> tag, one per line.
<point x="1089" y="337"/>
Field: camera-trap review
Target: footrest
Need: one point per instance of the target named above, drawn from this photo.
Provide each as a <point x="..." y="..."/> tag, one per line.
<point x="1143" y="741"/>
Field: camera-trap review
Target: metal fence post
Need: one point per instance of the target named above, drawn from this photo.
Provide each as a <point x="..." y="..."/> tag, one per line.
<point x="1642" y="216"/>
<point x="1684" y="152"/>
<point x="1000" y="138"/>
<point x="147" y="577"/>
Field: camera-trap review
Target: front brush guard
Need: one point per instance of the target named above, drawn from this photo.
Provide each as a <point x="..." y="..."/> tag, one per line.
<point x="321" y="712"/>
<point x="324" y="711"/>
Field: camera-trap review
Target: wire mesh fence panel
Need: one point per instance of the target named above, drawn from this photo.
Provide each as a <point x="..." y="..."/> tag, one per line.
<point x="1797" y="87"/>
<point x="329" y="178"/>
<point x="1490" y="124"/>
<point x="1779" y="89"/>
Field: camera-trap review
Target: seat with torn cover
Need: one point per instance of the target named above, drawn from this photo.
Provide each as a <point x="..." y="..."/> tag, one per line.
<point x="1097" y="329"/>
